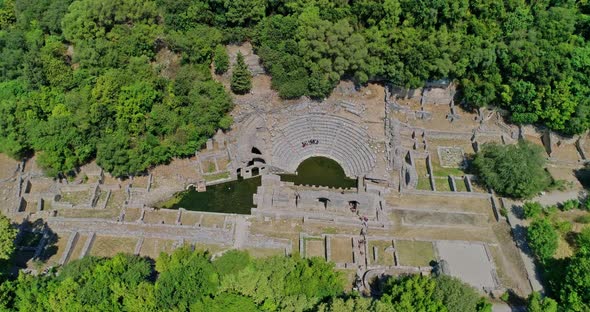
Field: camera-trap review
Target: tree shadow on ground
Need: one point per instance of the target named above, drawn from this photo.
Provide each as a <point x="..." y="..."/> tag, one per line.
<point x="35" y="243"/>
<point x="517" y="211"/>
<point x="583" y="175"/>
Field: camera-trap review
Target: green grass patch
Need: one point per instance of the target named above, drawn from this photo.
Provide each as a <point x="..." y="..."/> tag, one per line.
<point x="383" y="257"/>
<point x="585" y="219"/>
<point x="420" y="166"/>
<point x="440" y="171"/>
<point x="330" y="230"/>
<point x="460" y="185"/>
<point x="442" y="184"/>
<point x="208" y="166"/>
<point x="424" y="184"/>
<point x="414" y="253"/>
<point x="217" y="176"/>
<point x="171" y="202"/>
<point x="75" y="198"/>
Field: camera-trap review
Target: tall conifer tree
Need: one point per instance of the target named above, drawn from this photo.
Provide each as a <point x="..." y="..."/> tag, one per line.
<point x="241" y="79"/>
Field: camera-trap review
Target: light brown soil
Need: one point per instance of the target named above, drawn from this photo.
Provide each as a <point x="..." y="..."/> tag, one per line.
<point x="341" y="249"/>
<point x="7" y="167"/>
<point x="441" y="203"/>
<point x="132" y="214"/>
<point x="265" y="252"/>
<point x="508" y="261"/>
<point x="108" y="246"/>
<point x="152" y="247"/>
<point x="315" y="248"/>
<point x="77" y="249"/>
<point x="213" y="221"/>
<point x="160" y="216"/>
<point x="190" y="218"/>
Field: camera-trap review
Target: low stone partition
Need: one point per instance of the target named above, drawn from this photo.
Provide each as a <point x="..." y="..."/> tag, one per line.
<point x="438" y="134"/>
<point x="310" y="217"/>
<point x="461" y="194"/>
<point x="430" y="173"/>
<point x="95" y="196"/>
<point x="87" y="245"/>
<point x="138" y="246"/>
<point x="69" y="247"/>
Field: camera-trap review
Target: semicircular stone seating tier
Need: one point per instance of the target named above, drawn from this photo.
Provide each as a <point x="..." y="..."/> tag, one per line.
<point x="323" y="135"/>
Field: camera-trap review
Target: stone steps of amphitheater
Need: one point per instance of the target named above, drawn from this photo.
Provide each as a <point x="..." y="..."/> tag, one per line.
<point x="285" y="156"/>
<point x="338" y="138"/>
<point x="301" y="135"/>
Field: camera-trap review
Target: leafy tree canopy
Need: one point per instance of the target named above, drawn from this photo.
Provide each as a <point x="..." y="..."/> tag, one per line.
<point x="7" y="237"/>
<point x="512" y="170"/>
<point x="542" y="239"/>
<point x="81" y="80"/>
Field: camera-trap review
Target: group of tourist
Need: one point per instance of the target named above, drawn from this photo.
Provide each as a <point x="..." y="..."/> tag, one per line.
<point x="309" y="142"/>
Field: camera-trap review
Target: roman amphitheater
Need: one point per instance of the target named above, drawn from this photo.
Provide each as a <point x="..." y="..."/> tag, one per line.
<point x="413" y="204"/>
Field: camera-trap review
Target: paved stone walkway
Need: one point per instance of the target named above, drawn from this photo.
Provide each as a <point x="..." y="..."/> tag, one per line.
<point x="130" y="229"/>
<point x="519" y="233"/>
<point x="240" y="232"/>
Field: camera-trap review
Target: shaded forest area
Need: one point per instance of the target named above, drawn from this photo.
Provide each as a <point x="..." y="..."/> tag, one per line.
<point x="83" y="79"/>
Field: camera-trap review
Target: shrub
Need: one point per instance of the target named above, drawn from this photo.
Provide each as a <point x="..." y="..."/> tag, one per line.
<point x="583" y="239"/>
<point x="505" y="296"/>
<point x="585" y="219"/>
<point x="550" y="210"/>
<point x="570" y="204"/>
<point x="563" y="227"/>
<point x="504" y="212"/>
<point x="221" y="60"/>
<point x="532" y="209"/>
<point x="542" y="239"/>
<point x="536" y="303"/>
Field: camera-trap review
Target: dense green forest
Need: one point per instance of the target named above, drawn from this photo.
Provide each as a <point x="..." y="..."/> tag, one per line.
<point x="86" y="79"/>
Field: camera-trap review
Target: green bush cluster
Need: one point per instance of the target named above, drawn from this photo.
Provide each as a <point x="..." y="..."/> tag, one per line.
<point x="512" y="170"/>
<point x="570" y="204"/>
<point x="543" y="239"/>
<point x="221" y="60"/>
<point x="532" y="209"/>
<point x="565" y="279"/>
